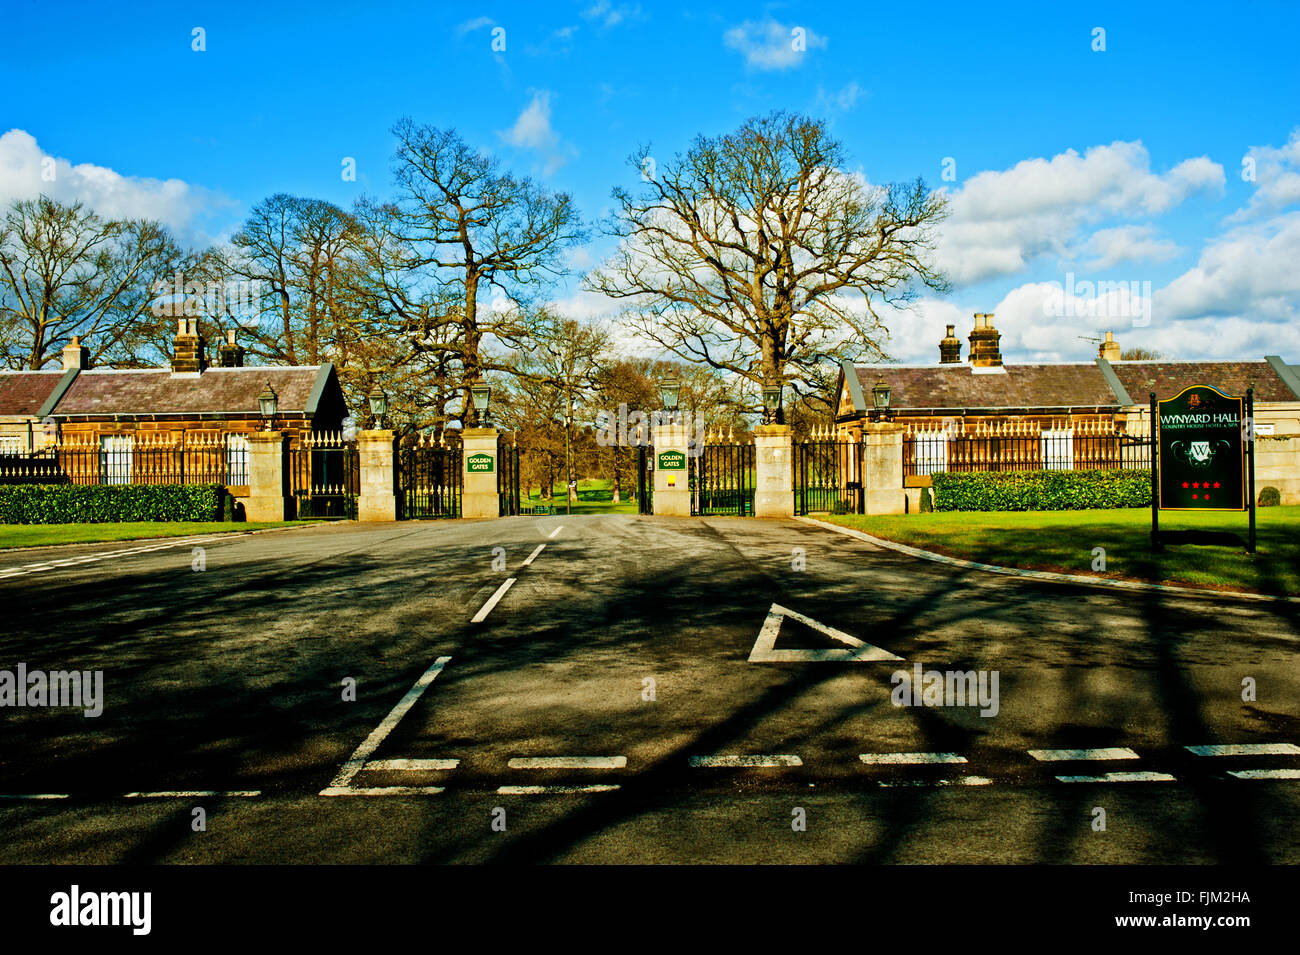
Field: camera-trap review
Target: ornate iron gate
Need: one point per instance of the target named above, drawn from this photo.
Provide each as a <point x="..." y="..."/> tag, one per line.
<point x="828" y="475"/>
<point x="722" y="480"/>
<point x="429" y="480"/>
<point x="508" y="478"/>
<point x="645" y="479"/>
<point x="325" y="477"/>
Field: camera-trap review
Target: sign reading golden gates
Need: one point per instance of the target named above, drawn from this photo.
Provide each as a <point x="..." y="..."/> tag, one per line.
<point x="480" y="463"/>
<point x="672" y="461"/>
<point x="1202" y="454"/>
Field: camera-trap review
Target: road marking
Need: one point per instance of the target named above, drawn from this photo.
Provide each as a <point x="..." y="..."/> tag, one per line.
<point x="22" y="569"/>
<point x="492" y="601"/>
<point x="743" y="762"/>
<point x="377" y="735"/>
<point x="568" y="762"/>
<point x="910" y="758"/>
<point x="1265" y="773"/>
<point x="381" y="790"/>
<point x="959" y="781"/>
<point x="556" y="531"/>
<point x="533" y="555"/>
<point x="764" y="649"/>
<point x="1135" y="777"/>
<point x="190" y="793"/>
<point x="33" y="795"/>
<point x="1063" y="755"/>
<point x="1247" y="749"/>
<point x="411" y="765"/>
<point x="551" y="790"/>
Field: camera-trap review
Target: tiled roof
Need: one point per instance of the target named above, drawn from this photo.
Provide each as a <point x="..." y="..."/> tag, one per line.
<point x="23" y="392"/>
<point x="1077" y="385"/>
<point x="1168" y="378"/>
<point x="217" y="390"/>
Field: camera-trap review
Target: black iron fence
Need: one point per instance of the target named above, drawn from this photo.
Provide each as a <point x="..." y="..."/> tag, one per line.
<point x="828" y="475"/>
<point x="142" y="458"/>
<point x="1023" y="447"/>
<point x="324" y="477"/>
<point x="430" y="479"/>
<point x="722" y="479"/>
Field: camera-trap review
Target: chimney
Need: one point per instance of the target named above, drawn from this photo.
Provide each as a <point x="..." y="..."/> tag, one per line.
<point x="232" y="355"/>
<point x="1109" y="348"/>
<point x="76" y="356"/>
<point x="950" y="348"/>
<point x="984" y="351"/>
<point x="187" y="355"/>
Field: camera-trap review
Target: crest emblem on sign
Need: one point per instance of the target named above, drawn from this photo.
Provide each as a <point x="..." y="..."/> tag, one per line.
<point x="1200" y="452"/>
<point x="1193" y="401"/>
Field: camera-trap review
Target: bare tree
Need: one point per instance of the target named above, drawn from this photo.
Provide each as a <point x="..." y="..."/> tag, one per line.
<point x="757" y="253"/>
<point x="1140" y="354"/>
<point x="64" y="271"/>
<point x="473" y="225"/>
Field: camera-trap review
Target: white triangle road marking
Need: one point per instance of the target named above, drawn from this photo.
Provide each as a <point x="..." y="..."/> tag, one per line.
<point x="765" y="651"/>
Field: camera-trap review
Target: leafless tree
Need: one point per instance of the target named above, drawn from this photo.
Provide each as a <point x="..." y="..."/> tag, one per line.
<point x="759" y="254"/>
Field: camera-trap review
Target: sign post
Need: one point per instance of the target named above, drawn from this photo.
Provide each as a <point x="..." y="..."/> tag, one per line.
<point x="1202" y="459"/>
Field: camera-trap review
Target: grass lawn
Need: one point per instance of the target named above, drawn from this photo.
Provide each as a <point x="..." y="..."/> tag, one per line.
<point x="43" y="535"/>
<point x="594" y="497"/>
<point x="1064" y="540"/>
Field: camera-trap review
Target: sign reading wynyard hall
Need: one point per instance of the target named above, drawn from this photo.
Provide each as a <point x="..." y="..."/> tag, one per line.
<point x="1202" y="455"/>
<point x="481" y="463"/>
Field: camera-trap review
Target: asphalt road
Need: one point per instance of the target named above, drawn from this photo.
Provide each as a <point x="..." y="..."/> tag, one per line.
<point x="622" y="651"/>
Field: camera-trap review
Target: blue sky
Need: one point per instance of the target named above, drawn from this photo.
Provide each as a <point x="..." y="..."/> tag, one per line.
<point x="1117" y="165"/>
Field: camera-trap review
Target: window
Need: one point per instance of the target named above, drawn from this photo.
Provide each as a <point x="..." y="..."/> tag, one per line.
<point x="115" y="458"/>
<point x="236" y="459"/>
<point x="11" y="445"/>
<point x="1057" y="448"/>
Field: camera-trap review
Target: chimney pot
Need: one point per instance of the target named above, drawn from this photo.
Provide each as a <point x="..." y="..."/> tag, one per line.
<point x="1109" y="349"/>
<point x="76" y="356"/>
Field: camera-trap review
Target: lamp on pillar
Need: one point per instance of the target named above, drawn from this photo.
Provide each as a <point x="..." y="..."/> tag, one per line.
<point x="880" y="398"/>
<point x="772" y="404"/>
<point x="669" y="389"/>
<point x="481" y="392"/>
<point x="378" y="405"/>
<point x="267" y="402"/>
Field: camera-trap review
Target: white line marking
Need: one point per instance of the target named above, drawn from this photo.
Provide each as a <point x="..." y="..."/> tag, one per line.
<point x="188" y="793"/>
<point x="1062" y="755"/>
<point x="764" y="647"/>
<point x="381" y="790"/>
<point x="377" y="735"/>
<point x="1247" y="749"/>
<point x="411" y="765"/>
<point x="959" y="781"/>
<point x="41" y="567"/>
<point x="551" y="790"/>
<point x="33" y="795"/>
<point x="892" y="758"/>
<point x="568" y="762"/>
<point x="492" y="601"/>
<point x="1135" y="777"/>
<point x="743" y="762"/>
<point x="1265" y="773"/>
<point x="533" y="555"/>
<point x="556" y="531"/>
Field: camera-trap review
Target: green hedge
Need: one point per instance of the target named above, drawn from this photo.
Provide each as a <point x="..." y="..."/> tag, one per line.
<point x="109" y="503"/>
<point x="1041" y="490"/>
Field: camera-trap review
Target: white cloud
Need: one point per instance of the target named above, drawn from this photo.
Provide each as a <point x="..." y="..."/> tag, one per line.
<point x="840" y="101"/>
<point x="1277" y="177"/>
<point x="533" y="130"/>
<point x="175" y="203"/>
<point x="769" y="45"/>
<point x="478" y="23"/>
<point x="609" y="15"/>
<point x="1002" y="220"/>
<point x="1130" y="243"/>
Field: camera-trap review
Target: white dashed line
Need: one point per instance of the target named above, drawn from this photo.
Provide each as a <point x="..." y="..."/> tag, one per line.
<point x="190" y="793"/>
<point x="1135" y="777"/>
<point x="551" y="790"/>
<point x="568" y="762"/>
<point x="1265" y="773"/>
<point x="910" y="758"/>
<point x="1065" y="755"/>
<point x="377" y="735"/>
<point x="960" y="781"/>
<point x="381" y="790"/>
<point x="33" y="795"/>
<point x="43" y="566"/>
<point x="411" y="765"/>
<point x="743" y="762"/>
<point x="533" y="556"/>
<point x="1247" y="749"/>
<point x="556" y="531"/>
<point x="492" y="601"/>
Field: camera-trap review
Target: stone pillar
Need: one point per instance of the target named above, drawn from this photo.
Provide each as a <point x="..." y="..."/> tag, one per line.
<point x="479" y="497"/>
<point x="774" y="471"/>
<point x="377" y="455"/>
<point x="672" y="492"/>
<point x="882" y="469"/>
<point x="268" y="487"/>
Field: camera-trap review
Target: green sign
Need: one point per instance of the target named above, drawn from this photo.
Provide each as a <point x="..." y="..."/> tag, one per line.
<point x="1202" y="454"/>
<point x="672" y="461"/>
<point x="481" y="463"/>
